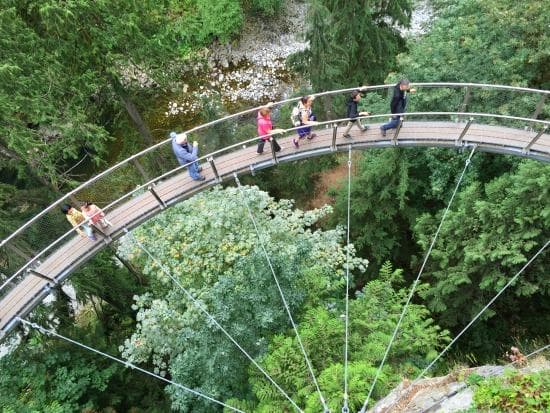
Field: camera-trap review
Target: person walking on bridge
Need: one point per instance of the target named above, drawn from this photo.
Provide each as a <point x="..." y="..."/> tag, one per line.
<point x="398" y="104"/>
<point x="265" y="129"/>
<point x="306" y="119"/>
<point x="353" y="113"/>
<point x="187" y="154"/>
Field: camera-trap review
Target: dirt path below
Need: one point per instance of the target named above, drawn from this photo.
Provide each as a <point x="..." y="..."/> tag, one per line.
<point x="332" y="179"/>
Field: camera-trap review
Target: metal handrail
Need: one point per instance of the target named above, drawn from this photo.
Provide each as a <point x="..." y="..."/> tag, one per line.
<point x="232" y="116"/>
<point x="240" y="144"/>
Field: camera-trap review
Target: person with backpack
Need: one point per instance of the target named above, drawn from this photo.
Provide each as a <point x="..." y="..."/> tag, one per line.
<point x="77" y="220"/>
<point x="303" y="115"/>
<point x="265" y="129"/>
<point x="398" y="104"/>
<point x="186" y="154"/>
<point x="353" y="113"/>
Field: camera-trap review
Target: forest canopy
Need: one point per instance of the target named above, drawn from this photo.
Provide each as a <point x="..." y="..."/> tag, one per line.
<point x="81" y="83"/>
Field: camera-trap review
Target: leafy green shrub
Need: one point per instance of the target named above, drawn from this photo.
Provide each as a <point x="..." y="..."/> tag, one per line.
<point x="514" y="392"/>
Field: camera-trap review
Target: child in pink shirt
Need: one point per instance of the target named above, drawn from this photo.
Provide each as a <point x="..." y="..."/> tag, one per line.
<point x="95" y="214"/>
<point x="265" y="129"/>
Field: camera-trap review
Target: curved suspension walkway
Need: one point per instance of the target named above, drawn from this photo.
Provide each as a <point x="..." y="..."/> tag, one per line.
<point x="33" y="282"/>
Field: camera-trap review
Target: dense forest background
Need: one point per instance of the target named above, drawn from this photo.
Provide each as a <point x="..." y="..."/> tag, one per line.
<point x="65" y="95"/>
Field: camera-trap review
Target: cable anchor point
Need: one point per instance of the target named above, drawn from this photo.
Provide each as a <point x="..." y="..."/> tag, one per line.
<point x="345" y="408"/>
<point x="236" y="178"/>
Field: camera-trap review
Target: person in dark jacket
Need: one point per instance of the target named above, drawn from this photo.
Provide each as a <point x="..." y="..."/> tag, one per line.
<point x="353" y="113"/>
<point x="398" y="104"/>
<point x="186" y="153"/>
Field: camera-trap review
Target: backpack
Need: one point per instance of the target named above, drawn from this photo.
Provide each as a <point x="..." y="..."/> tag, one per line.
<point x="295" y="116"/>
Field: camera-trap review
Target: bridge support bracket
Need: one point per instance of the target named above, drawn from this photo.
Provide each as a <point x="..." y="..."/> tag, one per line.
<point x="396" y="134"/>
<point x="157" y="197"/>
<point x="106" y="237"/>
<point x="252" y="170"/>
<point x="214" y="169"/>
<point x="460" y="139"/>
<point x="44" y="277"/>
<point x="334" y="134"/>
<point x="273" y="153"/>
<point x="527" y="147"/>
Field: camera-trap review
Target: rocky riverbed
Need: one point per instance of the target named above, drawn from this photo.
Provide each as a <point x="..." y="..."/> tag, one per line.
<point x="250" y="70"/>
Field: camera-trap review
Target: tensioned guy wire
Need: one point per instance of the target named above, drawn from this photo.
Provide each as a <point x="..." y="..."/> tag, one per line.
<point x="323" y="402"/>
<point x="483" y="310"/>
<point x="46" y="331"/>
<point x="413" y="288"/>
<point x="212" y="319"/>
<point x="345" y="408"/>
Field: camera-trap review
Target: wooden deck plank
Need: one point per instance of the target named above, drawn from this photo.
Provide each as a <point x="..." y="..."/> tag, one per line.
<point x="76" y="250"/>
<point x="20" y="295"/>
<point x="19" y="288"/>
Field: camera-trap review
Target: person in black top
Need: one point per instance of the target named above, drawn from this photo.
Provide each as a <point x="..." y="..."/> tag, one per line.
<point x="398" y="104"/>
<point x="353" y="113"/>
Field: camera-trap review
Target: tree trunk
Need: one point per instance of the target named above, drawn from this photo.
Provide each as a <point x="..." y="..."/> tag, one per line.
<point x="26" y="255"/>
<point x="134" y="114"/>
<point x="129" y="266"/>
<point x="328" y="107"/>
<point x="133" y="111"/>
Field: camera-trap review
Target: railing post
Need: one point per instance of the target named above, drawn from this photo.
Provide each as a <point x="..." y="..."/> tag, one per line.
<point x="334" y="134"/>
<point x="273" y="153"/>
<point x="527" y="147"/>
<point x="107" y="238"/>
<point x="394" y="139"/>
<point x="458" y="141"/>
<point x="157" y="197"/>
<point x="214" y="169"/>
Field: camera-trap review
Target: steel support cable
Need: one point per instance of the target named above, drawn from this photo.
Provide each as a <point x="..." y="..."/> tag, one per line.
<point x="310" y="368"/>
<point x="46" y="331"/>
<point x="532" y="353"/>
<point x="197" y="304"/>
<point x="483" y="310"/>
<point x="345" y="408"/>
<point x="413" y="288"/>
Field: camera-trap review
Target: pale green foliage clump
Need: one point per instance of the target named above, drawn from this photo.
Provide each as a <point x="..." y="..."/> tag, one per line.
<point x="372" y="319"/>
<point x="515" y="391"/>
<point x="209" y="244"/>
